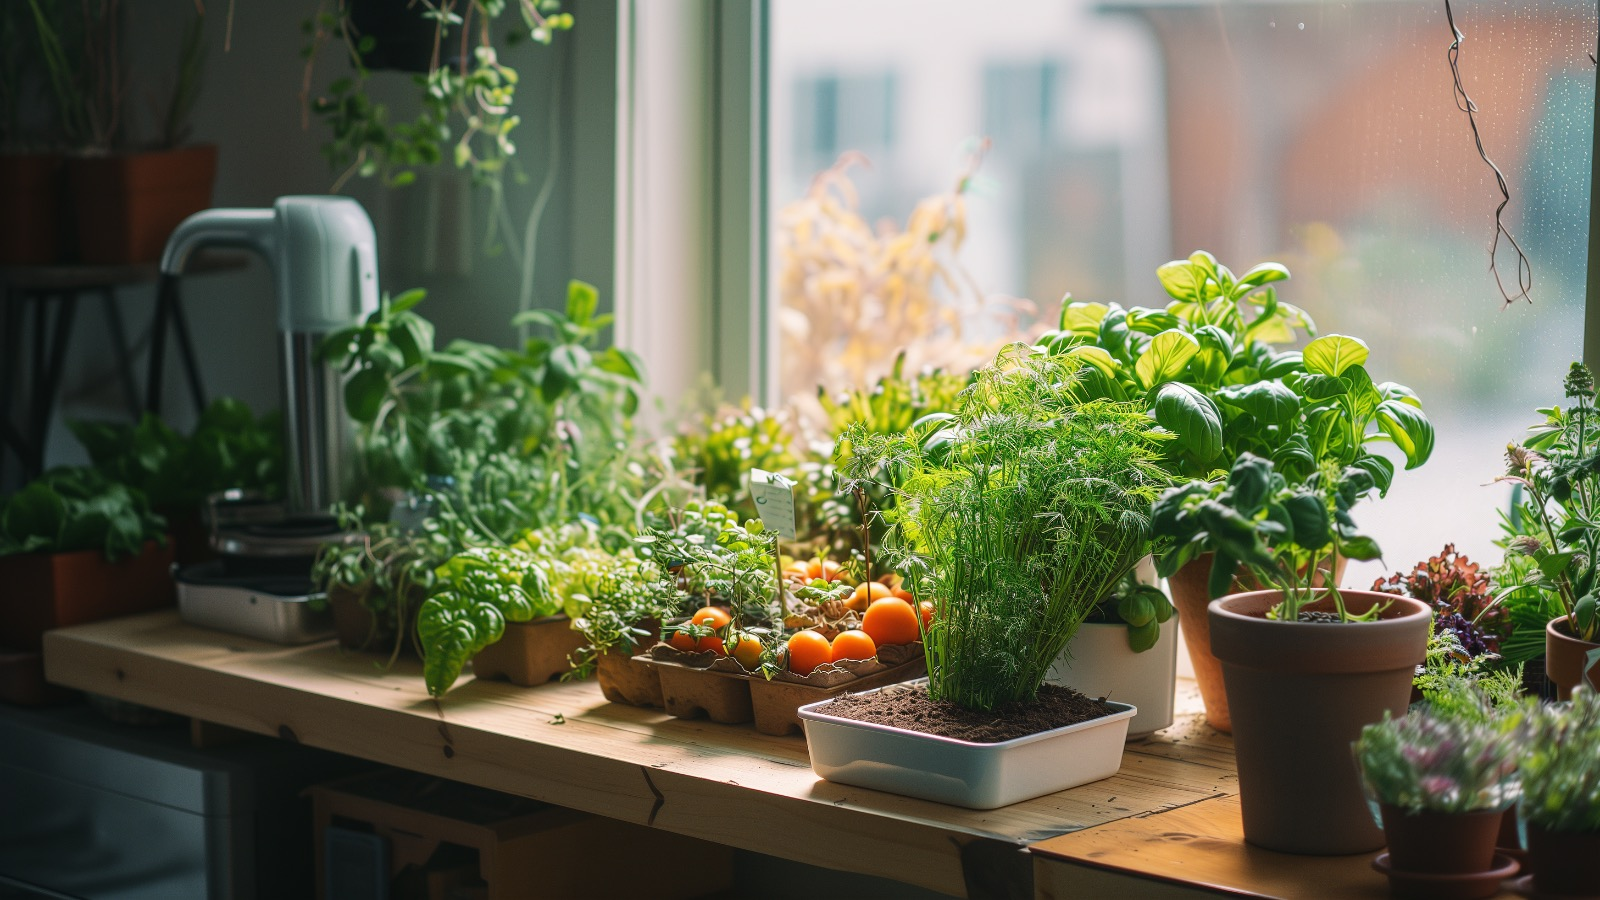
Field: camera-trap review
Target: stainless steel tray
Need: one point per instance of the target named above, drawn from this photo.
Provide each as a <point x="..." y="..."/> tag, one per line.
<point x="278" y="610"/>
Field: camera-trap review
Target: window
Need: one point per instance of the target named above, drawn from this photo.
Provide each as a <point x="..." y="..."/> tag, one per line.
<point x="1126" y="133"/>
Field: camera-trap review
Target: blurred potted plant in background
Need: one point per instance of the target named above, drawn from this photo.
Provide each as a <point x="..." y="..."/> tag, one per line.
<point x="1442" y="778"/>
<point x="1561" y="795"/>
<point x="1555" y="531"/>
<point x="31" y="186"/>
<point x="78" y="547"/>
<point x="1305" y="665"/>
<point x="128" y="191"/>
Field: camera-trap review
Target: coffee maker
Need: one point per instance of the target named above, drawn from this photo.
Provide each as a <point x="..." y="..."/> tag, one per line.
<point x="323" y="255"/>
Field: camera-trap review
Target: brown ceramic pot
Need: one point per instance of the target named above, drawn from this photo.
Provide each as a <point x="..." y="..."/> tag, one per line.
<point x="1299" y="694"/>
<point x="31" y="197"/>
<point x="126" y="205"/>
<point x="530" y="653"/>
<point x="40" y="591"/>
<point x="1563" y="863"/>
<point x="1566" y="659"/>
<point x="1440" y="843"/>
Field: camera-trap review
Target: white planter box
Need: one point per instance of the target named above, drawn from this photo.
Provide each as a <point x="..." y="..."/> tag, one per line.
<point x="977" y="776"/>
<point x="1098" y="663"/>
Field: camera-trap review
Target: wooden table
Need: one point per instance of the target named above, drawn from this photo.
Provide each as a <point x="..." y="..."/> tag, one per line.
<point x="564" y="744"/>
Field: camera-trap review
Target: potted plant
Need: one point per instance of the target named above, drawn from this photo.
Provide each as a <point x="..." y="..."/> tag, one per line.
<point x="1442" y="782"/>
<point x="128" y="192"/>
<point x="30" y="170"/>
<point x="1556" y="531"/>
<point x="1014" y="517"/>
<point x="77" y="547"/>
<point x="1461" y="595"/>
<point x="1305" y="664"/>
<point x="1127" y="650"/>
<point x="1206" y="369"/>
<point x="1561" y="795"/>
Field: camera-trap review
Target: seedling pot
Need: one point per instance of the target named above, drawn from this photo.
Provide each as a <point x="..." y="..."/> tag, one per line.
<point x="1299" y="694"/>
<point x="977" y="776"/>
<point x="530" y="653"/>
<point x="626" y="680"/>
<point x="53" y="590"/>
<point x="690" y="691"/>
<point x="1566" y="659"/>
<point x="776" y="703"/>
<point x="1099" y="663"/>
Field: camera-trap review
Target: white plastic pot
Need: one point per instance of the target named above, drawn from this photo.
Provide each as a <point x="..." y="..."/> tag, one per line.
<point x="977" y="776"/>
<point x="1099" y="663"/>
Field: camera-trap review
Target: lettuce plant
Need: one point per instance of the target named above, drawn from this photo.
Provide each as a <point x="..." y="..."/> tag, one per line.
<point x="1431" y="761"/>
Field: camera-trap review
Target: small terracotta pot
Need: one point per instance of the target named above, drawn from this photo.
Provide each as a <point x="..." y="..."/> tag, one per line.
<point x="1300" y="693"/>
<point x="357" y="629"/>
<point x="126" y="205"/>
<point x="530" y="653"/>
<point x="40" y="591"/>
<point x="1563" y="863"/>
<point x="688" y="693"/>
<point x="1191" y="594"/>
<point x="626" y="680"/>
<point x="1441" y="843"/>
<point x="32" y="194"/>
<point x="1566" y="658"/>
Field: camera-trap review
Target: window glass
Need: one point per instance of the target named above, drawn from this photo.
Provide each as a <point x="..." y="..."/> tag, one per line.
<point x="1121" y="134"/>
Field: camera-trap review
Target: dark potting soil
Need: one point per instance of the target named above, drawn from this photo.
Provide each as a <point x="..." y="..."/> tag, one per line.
<point x="910" y="708"/>
<point x="1308" y="615"/>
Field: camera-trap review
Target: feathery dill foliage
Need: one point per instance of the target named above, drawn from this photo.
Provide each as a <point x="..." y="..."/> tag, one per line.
<point x="1015" y="516"/>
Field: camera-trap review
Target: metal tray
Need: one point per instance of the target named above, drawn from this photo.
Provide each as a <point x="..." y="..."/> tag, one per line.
<point x="269" y="608"/>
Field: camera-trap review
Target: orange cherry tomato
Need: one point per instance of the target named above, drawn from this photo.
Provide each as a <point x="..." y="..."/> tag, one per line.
<point x="891" y="621"/>
<point x="872" y="590"/>
<point x="713" y="643"/>
<point x="682" y="641"/>
<point x="814" y="569"/>
<point x="747" y="650"/>
<point x="926" y="609"/>
<point x="831" y="571"/>
<point x="714" y="616"/>
<point x="807" y="650"/>
<point x="853" y="645"/>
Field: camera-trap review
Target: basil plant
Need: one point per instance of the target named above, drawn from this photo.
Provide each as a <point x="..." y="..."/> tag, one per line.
<point x="1208" y="369"/>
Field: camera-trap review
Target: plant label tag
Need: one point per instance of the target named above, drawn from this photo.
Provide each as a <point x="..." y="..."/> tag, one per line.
<point x="774" y="497"/>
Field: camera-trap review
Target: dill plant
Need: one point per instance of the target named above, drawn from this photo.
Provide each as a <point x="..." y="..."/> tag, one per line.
<point x="1015" y="514"/>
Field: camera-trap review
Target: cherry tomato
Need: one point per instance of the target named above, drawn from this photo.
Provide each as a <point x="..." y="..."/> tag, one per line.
<point x="714" y="616"/>
<point x="853" y="645"/>
<point x="807" y="650"/>
<point x="891" y="621"/>
<point x="747" y="650"/>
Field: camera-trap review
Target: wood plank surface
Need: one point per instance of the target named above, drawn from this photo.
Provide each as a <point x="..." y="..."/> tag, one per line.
<point x="1194" y="850"/>
<point x="564" y="744"/>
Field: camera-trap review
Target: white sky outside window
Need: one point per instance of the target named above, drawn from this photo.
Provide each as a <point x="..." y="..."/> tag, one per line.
<point x="1321" y="135"/>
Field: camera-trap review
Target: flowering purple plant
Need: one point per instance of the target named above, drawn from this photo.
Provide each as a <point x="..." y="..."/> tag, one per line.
<point x="1442" y="763"/>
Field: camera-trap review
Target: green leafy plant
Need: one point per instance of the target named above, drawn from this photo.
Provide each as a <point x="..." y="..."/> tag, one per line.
<point x="1461" y="595"/>
<point x="720" y="448"/>
<point x="1560" y="773"/>
<point x="1014" y="516"/>
<point x="229" y="448"/>
<point x="1452" y="679"/>
<point x="1556" y="467"/>
<point x="466" y="109"/>
<point x="716" y="558"/>
<point x="1286" y="534"/>
<point x="1431" y="760"/>
<point x="1142" y="607"/>
<point x="1205" y="369"/>
<point x="479" y="590"/>
<point x="71" y="509"/>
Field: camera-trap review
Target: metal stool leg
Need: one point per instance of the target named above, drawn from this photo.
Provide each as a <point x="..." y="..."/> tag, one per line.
<point x="119" y="343"/>
<point x="12" y="336"/>
<point x="158" y="349"/>
<point x="50" y="385"/>
<point x="191" y="368"/>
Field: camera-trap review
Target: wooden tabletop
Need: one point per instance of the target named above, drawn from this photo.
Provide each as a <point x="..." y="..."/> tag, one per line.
<point x="564" y="744"/>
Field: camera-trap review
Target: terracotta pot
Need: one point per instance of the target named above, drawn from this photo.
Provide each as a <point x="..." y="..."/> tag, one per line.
<point x="1300" y="693"/>
<point x="689" y="693"/>
<point x="530" y="653"/>
<point x="1191" y="594"/>
<point x="1566" y="659"/>
<point x="357" y="629"/>
<point x="1441" y="843"/>
<point x="1563" y="863"/>
<point x="626" y="680"/>
<point x="126" y="205"/>
<point x="32" y="195"/>
<point x="40" y="591"/>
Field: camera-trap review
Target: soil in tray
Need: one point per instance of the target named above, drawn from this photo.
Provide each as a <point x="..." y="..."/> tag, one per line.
<point x="910" y="708"/>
